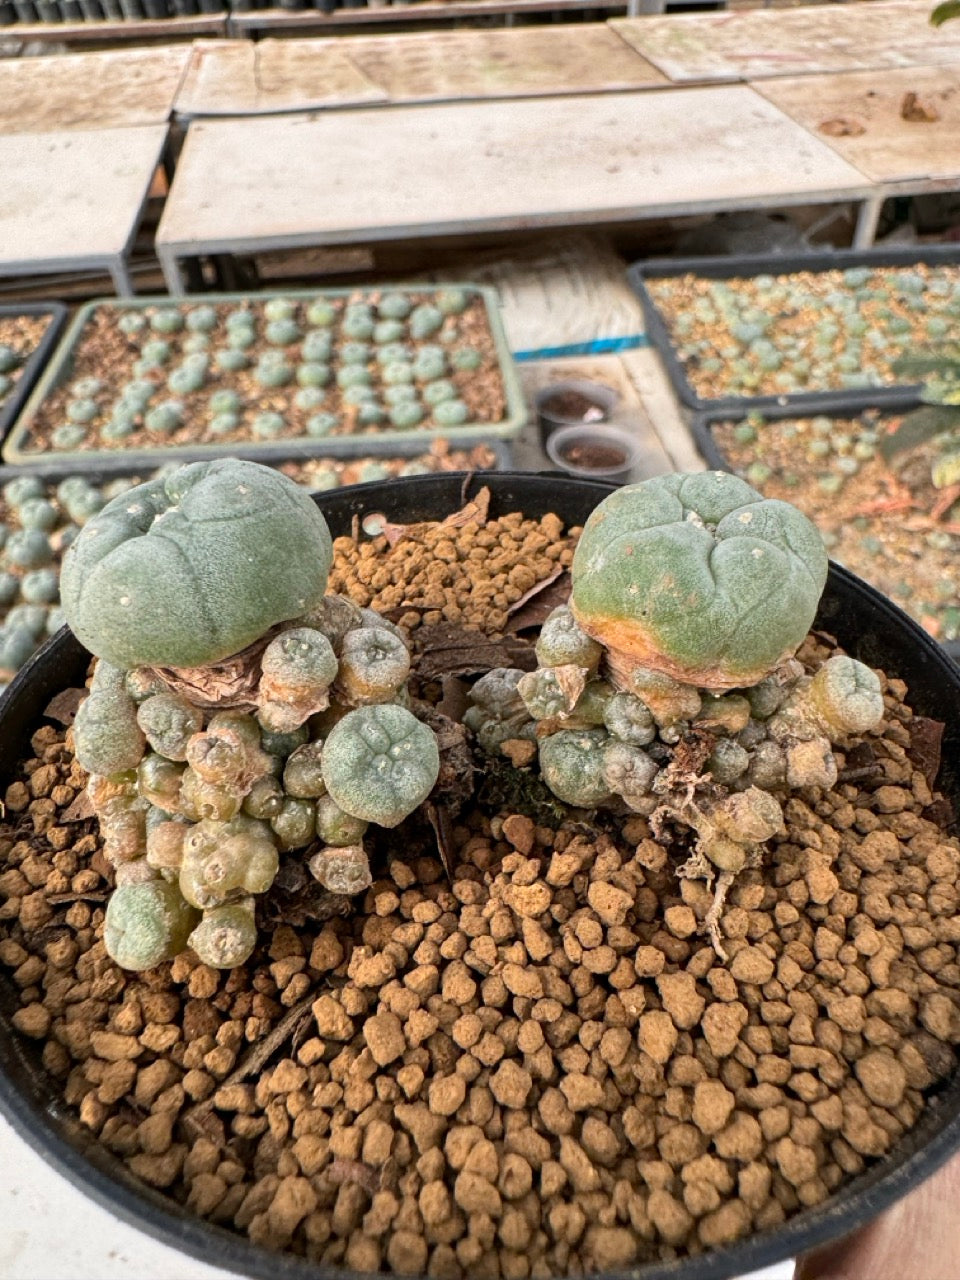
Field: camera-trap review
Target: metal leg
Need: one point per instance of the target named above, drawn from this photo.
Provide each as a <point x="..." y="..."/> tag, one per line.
<point x="171" y="272"/>
<point x="122" y="280"/>
<point x="867" y="219"/>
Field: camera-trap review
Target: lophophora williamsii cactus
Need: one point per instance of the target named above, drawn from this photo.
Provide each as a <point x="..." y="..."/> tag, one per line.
<point x="668" y="685"/>
<point x="236" y="712"/>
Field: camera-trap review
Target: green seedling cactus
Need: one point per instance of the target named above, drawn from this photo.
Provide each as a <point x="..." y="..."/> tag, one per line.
<point x="394" y="306"/>
<point x="166" y="320"/>
<point x="317" y="346"/>
<point x="303" y="772"/>
<point x="230" y="360"/>
<point x="452" y="302"/>
<point x="425" y="320"/>
<point x="295" y="825"/>
<point x="406" y="414"/>
<point x="451" y="413"/>
<point x="147" y="924"/>
<point x="571" y="763"/>
<point x="319" y="425"/>
<point x="322" y="313"/>
<point x="282" y="332"/>
<point x="380" y="763"/>
<point x="334" y="826"/>
<point x="297" y="671"/>
<point x="223" y="861"/>
<point x="188" y="569"/>
<point x="67" y="436"/>
<point x="107" y="738"/>
<point x="697" y="577"/>
<point x="201" y="319"/>
<point x="20" y="489"/>
<point x="226" y="936"/>
<point x="374" y="664"/>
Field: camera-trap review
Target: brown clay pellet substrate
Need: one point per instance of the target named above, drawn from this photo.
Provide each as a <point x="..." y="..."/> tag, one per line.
<point x="768" y="335"/>
<point x="105" y="353"/>
<point x="22" y="334"/>
<point x="538" y="1066"/>
<point x="813" y="463"/>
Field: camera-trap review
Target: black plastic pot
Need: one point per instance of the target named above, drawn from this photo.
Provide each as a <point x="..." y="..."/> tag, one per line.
<point x="8" y="14"/>
<point x="866" y="624"/>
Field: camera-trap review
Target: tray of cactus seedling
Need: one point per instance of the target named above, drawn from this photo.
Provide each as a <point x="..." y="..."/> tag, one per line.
<point x="882" y="483"/>
<point x="28" y="333"/>
<point x="360" y="370"/>
<point x="797" y="328"/>
<point x="39" y="518"/>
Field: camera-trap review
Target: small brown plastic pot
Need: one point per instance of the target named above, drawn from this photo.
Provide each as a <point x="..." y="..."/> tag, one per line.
<point x="575" y="402"/>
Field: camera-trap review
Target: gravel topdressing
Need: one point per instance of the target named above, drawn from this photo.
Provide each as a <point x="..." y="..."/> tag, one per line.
<point x="19" y="338"/>
<point x="538" y="1066"/>
<point x="770" y="335"/>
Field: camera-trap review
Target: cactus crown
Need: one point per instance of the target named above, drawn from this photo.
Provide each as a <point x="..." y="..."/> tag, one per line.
<point x="699" y="577"/>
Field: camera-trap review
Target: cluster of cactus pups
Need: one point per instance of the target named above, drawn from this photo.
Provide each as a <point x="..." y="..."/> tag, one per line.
<point x="236" y="713"/>
<point x="389" y="359"/>
<point x="668" y="686"/>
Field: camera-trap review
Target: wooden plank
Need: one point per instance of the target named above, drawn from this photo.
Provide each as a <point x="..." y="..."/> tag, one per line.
<point x="213" y="24"/>
<point x="73" y="197"/>
<point x="509" y="63"/>
<point x="244" y="185"/>
<point x="747" y="45"/>
<point x="394" y="14"/>
<point x="245" y="78"/>
<point x="868" y="120"/>
<point x="90" y="90"/>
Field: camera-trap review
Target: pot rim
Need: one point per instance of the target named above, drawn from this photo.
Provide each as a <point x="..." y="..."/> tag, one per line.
<point x="38" y="1114"/>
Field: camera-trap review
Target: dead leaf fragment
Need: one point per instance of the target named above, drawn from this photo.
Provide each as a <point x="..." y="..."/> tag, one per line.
<point x="63" y="707"/>
<point x="841" y="127"/>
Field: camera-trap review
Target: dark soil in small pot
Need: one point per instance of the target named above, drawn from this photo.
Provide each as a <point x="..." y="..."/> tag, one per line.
<point x="527" y="1062"/>
<point x="572" y="402"/>
<point x="600" y="452"/>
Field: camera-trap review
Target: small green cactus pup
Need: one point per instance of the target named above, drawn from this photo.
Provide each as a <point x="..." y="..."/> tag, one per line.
<point x="297" y="670"/>
<point x="698" y="577"/>
<point x="627" y="771"/>
<point x="200" y="800"/>
<point x="670" y="701"/>
<point x="295" y="825"/>
<point x="562" y="641"/>
<point x="336" y="827"/>
<point x="772" y="691"/>
<point x="452" y="302"/>
<point x="335" y="615"/>
<point x="342" y="869"/>
<point x="724" y="715"/>
<point x="106" y="735"/>
<point x="264" y="800"/>
<point x="571" y="763"/>
<point x="224" y="860"/>
<point x="497" y="712"/>
<point x="303" y="773"/>
<point x="425" y="320"/>
<point x="146" y="924"/>
<point x="768" y="766"/>
<point x="123" y="826"/>
<point x="380" y="763"/>
<point x="168" y="722"/>
<point x="374" y="664"/>
<point x="159" y="781"/>
<point x="225" y="757"/>
<point x="549" y="692"/>
<point x="165" y="847"/>
<point x="847" y="697"/>
<point x="750" y="817"/>
<point x="191" y="568"/>
<point x="728" y="762"/>
<point x="226" y="936"/>
<point x="628" y="718"/>
<point x="394" y="306"/>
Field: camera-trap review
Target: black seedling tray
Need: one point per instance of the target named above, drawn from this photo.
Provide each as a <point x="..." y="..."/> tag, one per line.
<point x="703" y="423"/>
<point x="736" y="266"/>
<point x="36" y="361"/>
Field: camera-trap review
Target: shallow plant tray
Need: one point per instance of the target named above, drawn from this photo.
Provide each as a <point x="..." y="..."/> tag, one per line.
<point x="747" y="267"/>
<point x="94" y="347"/>
<point x="867" y="625"/>
<point x="878" y="546"/>
<point x="28" y="373"/>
